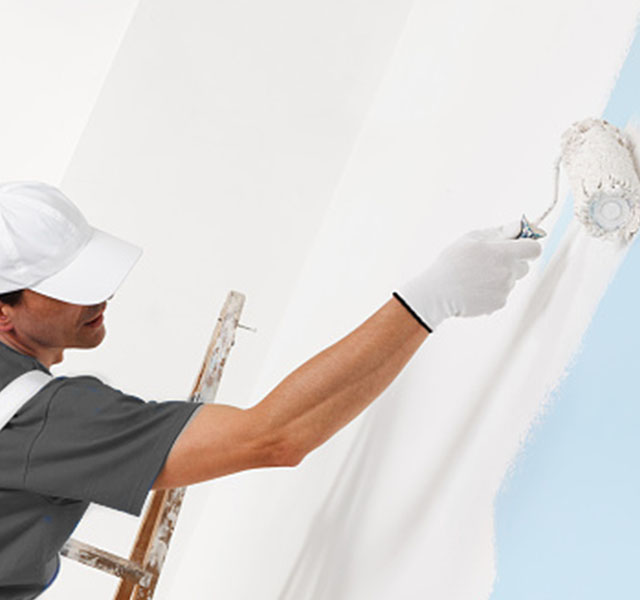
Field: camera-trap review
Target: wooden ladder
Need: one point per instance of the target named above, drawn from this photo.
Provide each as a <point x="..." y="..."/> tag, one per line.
<point x="139" y="573"/>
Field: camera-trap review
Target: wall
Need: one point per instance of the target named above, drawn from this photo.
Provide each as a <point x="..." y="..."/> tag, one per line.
<point x="313" y="157"/>
<point x="55" y="58"/>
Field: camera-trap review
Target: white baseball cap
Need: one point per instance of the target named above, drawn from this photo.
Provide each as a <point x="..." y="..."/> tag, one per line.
<point x="46" y="245"/>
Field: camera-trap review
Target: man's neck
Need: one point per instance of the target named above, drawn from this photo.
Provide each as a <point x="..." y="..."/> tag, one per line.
<point x="48" y="356"/>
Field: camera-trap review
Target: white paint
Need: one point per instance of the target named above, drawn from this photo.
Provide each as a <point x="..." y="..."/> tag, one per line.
<point x="598" y="160"/>
<point x="412" y="507"/>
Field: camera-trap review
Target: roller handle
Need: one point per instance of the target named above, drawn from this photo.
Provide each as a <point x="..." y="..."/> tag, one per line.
<point x="529" y="230"/>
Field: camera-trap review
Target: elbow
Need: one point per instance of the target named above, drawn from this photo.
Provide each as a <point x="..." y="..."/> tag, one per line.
<point x="285" y="452"/>
<point x="276" y="446"/>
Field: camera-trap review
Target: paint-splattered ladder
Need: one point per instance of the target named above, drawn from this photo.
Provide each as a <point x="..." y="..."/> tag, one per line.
<point x="141" y="571"/>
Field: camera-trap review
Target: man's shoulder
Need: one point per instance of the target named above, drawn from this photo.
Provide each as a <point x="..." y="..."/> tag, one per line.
<point x="80" y="393"/>
<point x="85" y="382"/>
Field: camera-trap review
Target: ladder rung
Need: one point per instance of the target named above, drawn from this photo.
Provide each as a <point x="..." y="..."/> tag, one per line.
<point x="105" y="561"/>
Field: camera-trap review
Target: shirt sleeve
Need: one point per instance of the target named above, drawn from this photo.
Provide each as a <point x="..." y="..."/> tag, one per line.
<point x="101" y="445"/>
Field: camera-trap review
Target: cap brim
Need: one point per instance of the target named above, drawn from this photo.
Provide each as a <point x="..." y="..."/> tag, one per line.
<point x="95" y="273"/>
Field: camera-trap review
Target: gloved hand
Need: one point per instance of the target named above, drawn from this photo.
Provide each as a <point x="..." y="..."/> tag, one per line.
<point x="472" y="276"/>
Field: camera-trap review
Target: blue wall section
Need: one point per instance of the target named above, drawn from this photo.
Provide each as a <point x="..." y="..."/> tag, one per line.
<point x="568" y="516"/>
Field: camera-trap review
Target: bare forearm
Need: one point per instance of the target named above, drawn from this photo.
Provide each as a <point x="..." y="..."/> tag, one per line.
<point x="336" y="385"/>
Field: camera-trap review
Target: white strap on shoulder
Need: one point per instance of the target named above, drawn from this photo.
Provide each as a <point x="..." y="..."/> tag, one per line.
<point x="17" y="393"/>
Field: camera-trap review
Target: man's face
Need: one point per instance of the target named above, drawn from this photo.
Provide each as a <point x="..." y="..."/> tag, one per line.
<point x="43" y="327"/>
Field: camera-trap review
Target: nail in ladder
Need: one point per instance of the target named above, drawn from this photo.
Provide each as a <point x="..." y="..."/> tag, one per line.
<point x="141" y="571"/>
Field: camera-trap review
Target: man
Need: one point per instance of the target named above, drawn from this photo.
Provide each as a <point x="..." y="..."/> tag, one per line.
<point x="72" y="441"/>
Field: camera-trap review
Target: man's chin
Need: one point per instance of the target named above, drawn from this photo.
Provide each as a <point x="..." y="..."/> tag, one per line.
<point x="91" y="341"/>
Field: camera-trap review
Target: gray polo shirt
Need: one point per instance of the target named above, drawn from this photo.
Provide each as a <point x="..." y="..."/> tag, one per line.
<point x="77" y="441"/>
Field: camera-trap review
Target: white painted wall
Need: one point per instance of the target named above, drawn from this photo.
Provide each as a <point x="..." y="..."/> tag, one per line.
<point x="311" y="156"/>
<point x="462" y="134"/>
<point x="54" y="58"/>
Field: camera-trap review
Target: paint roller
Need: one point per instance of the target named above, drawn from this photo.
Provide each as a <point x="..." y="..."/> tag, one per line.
<point x="599" y="162"/>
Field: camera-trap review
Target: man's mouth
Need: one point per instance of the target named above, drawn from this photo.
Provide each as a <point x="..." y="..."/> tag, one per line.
<point x="95" y="322"/>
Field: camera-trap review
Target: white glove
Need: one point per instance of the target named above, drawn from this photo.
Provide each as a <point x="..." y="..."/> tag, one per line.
<point x="473" y="276"/>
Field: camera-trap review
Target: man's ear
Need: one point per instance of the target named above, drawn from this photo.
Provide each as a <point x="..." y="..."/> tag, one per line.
<point x="5" y="317"/>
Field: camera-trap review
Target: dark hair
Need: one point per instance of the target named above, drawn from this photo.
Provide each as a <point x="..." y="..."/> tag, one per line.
<point x="11" y="298"/>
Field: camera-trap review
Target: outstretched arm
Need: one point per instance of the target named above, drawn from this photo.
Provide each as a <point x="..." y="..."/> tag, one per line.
<point x="471" y="277"/>
<point x="304" y="410"/>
